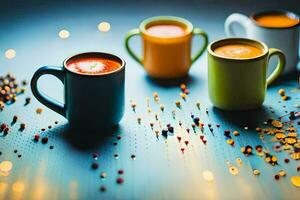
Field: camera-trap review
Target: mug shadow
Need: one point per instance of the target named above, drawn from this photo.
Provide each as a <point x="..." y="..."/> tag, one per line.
<point x="249" y="118"/>
<point x="285" y="78"/>
<point x="85" y="140"/>
<point x="168" y="83"/>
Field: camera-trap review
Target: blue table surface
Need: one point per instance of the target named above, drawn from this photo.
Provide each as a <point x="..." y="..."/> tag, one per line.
<point x="160" y="170"/>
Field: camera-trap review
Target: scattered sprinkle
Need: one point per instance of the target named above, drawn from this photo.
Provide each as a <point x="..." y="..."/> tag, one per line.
<point x="94" y="165"/>
<point x="120" y="180"/>
<point x="256" y="172"/>
<point x="295" y="180"/>
<point x="236" y="133"/>
<point x="103" y="175"/>
<point x="39" y="111"/>
<point x="45" y="140"/>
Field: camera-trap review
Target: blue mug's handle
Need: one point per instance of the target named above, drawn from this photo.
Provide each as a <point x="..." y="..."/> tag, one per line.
<point x="43" y="98"/>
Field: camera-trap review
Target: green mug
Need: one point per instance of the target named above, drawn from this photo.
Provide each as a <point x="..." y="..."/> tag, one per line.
<point x="240" y="83"/>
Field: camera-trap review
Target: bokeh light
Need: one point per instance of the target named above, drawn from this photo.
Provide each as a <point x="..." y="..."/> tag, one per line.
<point x="208" y="176"/>
<point x="10" y="53"/>
<point x="18" y="187"/>
<point x="6" y="166"/>
<point x="64" y="34"/>
<point x="104" y="27"/>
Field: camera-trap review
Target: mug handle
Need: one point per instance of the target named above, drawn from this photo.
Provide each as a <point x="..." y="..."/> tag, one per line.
<point x="198" y="31"/>
<point x="238" y="18"/>
<point x="43" y="98"/>
<point x="280" y="65"/>
<point x="129" y="35"/>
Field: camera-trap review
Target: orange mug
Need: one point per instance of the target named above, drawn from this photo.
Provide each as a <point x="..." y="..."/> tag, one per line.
<point x="166" y="57"/>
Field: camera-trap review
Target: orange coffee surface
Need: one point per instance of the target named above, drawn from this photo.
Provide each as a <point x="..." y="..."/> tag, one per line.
<point x="166" y="30"/>
<point x="93" y="66"/>
<point x="276" y="21"/>
<point x="238" y="51"/>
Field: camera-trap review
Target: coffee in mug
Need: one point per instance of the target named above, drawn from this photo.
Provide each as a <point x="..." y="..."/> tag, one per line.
<point x="276" y="20"/>
<point x="238" y="51"/>
<point x="278" y="29"/>
<point x="92" y="66"/>
<point x="166" y="30"/>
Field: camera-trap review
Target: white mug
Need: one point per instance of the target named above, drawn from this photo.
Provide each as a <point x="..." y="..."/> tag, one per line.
<point x="286" y="39"/>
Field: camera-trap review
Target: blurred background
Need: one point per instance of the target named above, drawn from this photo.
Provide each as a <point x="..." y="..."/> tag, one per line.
<point x="31" y="28"/>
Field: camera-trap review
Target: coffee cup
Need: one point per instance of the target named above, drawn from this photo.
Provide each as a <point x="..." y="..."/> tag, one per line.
<point x="166" y="44"/>
<point x="237" y="68"/>
<point x="93" y="90"/>
<point x="278" y="29"/>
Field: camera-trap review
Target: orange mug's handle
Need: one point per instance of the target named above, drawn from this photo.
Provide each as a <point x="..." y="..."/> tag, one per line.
<point x="129" y="35"/>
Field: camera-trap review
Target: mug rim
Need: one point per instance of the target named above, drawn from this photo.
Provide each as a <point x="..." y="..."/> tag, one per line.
<point x="187" y="23"/>
<point x="95" y="54"/>
<point x="235" y="39"/>
<point x="284" y="12"/>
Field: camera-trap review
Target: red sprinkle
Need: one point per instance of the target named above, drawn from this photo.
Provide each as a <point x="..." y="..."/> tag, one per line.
<point x="44" y="140"/>
<point x="3" y="126"/>
<point x="120" y="180"/>
<point x="182" y="150"/>
<point x="186" y="142"/>
<point x="36" y="137"/>
<point x="119" y="137"/>
<point x="6" y="130"/>
<point x="120" y="171"/>
<point x="286" y="160"/>
<point x="201" y="137"/>
<point x="277" y="177"/>
<point x="178" y="138"/>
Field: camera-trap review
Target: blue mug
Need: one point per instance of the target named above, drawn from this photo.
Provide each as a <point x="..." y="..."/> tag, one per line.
<point x="91" y="102"/>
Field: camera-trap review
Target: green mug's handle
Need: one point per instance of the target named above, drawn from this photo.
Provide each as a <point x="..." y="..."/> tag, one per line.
<point x="280" y="65"/>
<point x="129" y="35"/>
<point x="43" y="98"/>
<point x="198" y="31"/>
